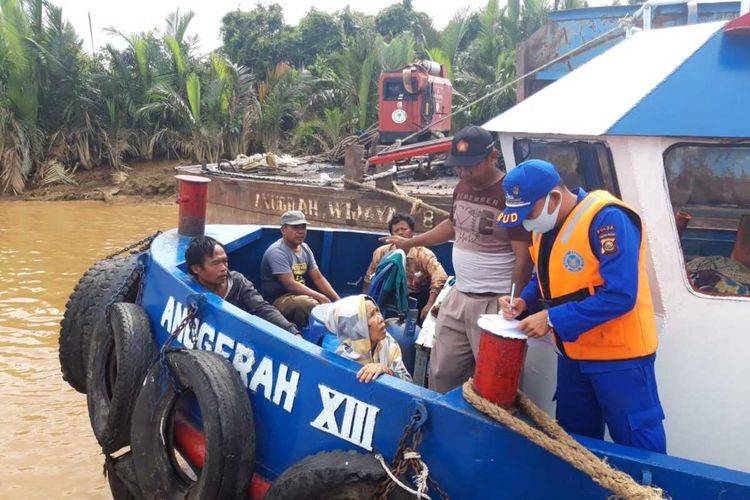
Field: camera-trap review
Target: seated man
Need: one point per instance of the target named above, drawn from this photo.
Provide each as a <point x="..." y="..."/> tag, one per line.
<point x="424" y="274"/>
<point x="208" y="263"/>
<point x="360" y="327"/>
<point x="284" y="269"/>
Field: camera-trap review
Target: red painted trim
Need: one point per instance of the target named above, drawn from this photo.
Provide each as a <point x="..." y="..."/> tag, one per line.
<point x="258" y="488"/>
<point x="739" y="26"/>
<point x="192" y="443"/>
<point x="403" y="153"/>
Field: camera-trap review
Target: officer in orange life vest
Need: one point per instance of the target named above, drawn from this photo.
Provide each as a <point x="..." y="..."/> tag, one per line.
<point x="591" y="291"/>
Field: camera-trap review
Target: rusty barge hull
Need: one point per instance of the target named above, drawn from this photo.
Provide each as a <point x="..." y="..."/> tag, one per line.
<point x="243" y="201"/>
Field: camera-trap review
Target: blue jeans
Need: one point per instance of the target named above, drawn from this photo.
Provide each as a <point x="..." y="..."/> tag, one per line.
<point x="625" y="399"/>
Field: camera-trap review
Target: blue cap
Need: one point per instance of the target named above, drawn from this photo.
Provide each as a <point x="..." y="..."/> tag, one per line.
<point x="529" y="182"/>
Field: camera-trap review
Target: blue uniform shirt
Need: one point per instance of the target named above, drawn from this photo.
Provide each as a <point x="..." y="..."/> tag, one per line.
<point x="618" y="267"/>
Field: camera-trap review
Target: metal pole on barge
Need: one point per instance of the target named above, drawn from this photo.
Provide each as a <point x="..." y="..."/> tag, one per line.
<point x="192" y="198"/>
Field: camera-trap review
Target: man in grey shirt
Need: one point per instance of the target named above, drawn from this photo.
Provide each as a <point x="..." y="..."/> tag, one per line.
<point x="287" y="265"/>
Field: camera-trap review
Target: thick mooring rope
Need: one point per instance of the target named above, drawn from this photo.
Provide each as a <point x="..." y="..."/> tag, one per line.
<point x="559" y="443"/>
<point x="416" y="203"/>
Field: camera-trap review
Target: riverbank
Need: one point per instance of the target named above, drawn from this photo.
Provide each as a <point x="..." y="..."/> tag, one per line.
<point x="151" y="182"/>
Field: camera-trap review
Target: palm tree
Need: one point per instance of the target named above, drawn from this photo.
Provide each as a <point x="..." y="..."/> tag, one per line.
<point x="281" y="96"/>
<point x="211" y="118"/>
<point x="355" y="77"/>
<point x="327" y="131"/>
<point x="69" y="99"/>
<point x="21" y="140"/>
<point x="489" y="64"/>
<point x="450" y="41"/>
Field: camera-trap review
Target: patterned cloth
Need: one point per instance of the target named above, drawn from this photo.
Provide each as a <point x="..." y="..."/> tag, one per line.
<point x="725" y="266"/>
<point x="347" y="318"/>
<point x="422" y="268"/>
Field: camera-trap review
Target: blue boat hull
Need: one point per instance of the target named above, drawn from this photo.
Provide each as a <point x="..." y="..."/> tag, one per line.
<point x="307" y="400"/>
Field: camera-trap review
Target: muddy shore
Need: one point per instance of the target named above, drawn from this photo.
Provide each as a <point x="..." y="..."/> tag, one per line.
<point x="151" y="182"/>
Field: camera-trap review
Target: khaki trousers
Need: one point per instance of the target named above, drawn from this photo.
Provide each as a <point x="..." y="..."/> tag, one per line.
<point x="295" y="308"/>
<point x="454" y="353"/>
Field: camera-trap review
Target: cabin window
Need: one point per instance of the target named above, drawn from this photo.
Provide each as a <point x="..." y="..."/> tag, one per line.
<point x="709" y="187"/>
<point x="580" y="163"/>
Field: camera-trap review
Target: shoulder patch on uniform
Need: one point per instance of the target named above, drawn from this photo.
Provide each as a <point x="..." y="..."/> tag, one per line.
<point x="609" y="245"/>
<point x="573" y="261"/>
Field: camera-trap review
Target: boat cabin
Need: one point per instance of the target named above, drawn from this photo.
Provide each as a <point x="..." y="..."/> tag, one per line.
<point x="661" y="121"/>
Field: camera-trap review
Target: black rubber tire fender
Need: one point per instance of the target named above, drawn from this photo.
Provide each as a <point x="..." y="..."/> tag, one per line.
<point x="85" y="308"/>
<point x="122" y="350"/>
<point x="332" y="475"/>
<point x="121" y="477"/>
<point x="227" y="423"/>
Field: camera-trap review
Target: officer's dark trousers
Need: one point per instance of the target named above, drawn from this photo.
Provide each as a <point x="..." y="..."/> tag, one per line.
<point x="626" y="400"/>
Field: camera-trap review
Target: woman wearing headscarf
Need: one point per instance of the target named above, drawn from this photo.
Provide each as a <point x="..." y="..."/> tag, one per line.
<point x="360" y="327"/>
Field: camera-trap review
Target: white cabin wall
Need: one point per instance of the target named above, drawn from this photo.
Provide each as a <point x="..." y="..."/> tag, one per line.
<point x="703" y="365"/>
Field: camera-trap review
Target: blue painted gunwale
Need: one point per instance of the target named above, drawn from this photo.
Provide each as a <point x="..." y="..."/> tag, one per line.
<point x="470" y="455"/>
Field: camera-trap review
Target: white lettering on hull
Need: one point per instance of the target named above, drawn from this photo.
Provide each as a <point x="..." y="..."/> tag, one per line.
<point x="357" y="424"/>
<point x="280" y="389"/>
<point x="333" y="210"/>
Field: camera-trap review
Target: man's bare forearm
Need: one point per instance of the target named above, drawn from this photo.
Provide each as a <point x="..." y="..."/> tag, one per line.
<point x="326" y="289"/>
<point x="439" y="234"/>
<point x="300" y="289"/>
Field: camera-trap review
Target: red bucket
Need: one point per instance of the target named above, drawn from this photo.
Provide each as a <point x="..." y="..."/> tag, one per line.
<point x="192" y="197"/>
<point x="500" y="361"/>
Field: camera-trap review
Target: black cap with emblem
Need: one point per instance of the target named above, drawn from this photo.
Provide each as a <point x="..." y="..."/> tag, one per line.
<point x="470" y="146"/>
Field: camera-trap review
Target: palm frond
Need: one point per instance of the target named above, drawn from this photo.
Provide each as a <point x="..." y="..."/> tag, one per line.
<point x="454" y="34"/>
<point x="177" y="24"/>
<point x="398" y="53"/>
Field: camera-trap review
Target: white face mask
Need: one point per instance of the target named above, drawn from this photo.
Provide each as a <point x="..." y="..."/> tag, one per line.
<point x="544" y="221"/>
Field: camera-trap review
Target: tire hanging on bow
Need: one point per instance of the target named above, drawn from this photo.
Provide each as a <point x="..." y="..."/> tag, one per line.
<point x="116" y="278"/>
<point x="332" y="475"/>
<point x="122" y="350"/>
<point x="110" y="280"/>
<point x="180" y="388"/>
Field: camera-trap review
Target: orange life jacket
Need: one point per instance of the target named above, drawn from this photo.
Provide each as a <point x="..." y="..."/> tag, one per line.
<point x="573" y="272"/>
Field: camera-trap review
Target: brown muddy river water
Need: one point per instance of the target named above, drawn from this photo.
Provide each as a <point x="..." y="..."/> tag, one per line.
<point x="47" y="448"/>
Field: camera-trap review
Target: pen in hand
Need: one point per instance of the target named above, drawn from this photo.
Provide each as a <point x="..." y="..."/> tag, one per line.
<point x="512" y="296"/>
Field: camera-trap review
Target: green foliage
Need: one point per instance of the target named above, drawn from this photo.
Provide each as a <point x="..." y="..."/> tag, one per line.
<point x="398" y="53"/>
<point x="281" y="96"/>
<point x="363" y="96"/>
<point x="354" y="80"/>
<point x="394" y="20"/>
<point x="194" y="96"/>
<point x="326" y="131"/>
<point x="454" y="34"/>
<point x="258" y="39"/>
<point x="21" y="89"/>
<point x="489" y="61"/>
<point x="317" y="33"/>
<point x="271" y="86"/>
<point x="20" y="107"/>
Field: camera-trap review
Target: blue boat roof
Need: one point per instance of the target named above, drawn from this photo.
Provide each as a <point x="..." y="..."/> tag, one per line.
<point x="690" y="81"/>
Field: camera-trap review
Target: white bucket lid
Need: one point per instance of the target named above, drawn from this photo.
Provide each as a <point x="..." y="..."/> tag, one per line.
<point x="497" y="325"/>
